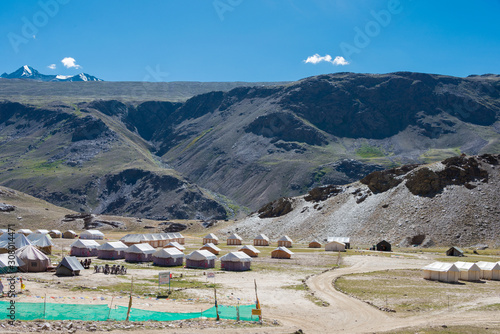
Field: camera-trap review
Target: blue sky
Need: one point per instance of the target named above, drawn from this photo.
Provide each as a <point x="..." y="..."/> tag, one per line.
<point x="249" y="40"/>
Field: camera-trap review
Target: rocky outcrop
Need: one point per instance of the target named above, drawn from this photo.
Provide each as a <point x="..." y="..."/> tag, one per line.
<point x="277" y="208"/>
<point x="457" y="171"/>
<point x="6" y="207"/>
<point x="381" y="181"/>
<point x="322" y="193"/>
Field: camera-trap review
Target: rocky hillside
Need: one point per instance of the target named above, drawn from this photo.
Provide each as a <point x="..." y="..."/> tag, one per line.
<point x="452" y="202"/>
<point x="249" y="145"/>
<point x="89" y="162"/>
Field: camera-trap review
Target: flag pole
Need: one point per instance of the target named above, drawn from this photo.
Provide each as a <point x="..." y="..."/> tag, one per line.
<point x="216" y="306"/>
<point x="257" y="306"/>
<point x="130" y="301"/>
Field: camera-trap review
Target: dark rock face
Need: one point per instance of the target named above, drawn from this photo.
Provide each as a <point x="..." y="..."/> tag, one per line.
<point x="322" y="193"/>
<point x="277" y="208"/>
<point x="88" y="128"/>
<point x="170" y="227"/>
<point x="379" y="106"/>
<point x="6" y="207"/>
<point x="458" y="171"/>
<point x="287" y="127"/>
<point x="110" y="108"/>
<point x="145" y="194"/>
<point x="149" y="117"/>
<point x="381" y="181"/>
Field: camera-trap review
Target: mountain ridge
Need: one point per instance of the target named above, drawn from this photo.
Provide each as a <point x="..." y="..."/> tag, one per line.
<point x="252" y="144"/>
<point x="27" y="72"/>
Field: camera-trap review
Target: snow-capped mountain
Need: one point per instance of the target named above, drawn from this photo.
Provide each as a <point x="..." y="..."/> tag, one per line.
<point x="28" y="72"/>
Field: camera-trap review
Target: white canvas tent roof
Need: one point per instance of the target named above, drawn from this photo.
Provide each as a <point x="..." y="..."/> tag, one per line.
<point x="315" y="240"/>
<point x="200" y="255"/>
<point x="31" y="253"/>
<point x="92" y="232"/>
<point x="250" y="247"/>
<point x="42" y="231"/>
<point x="211" y="236"/>
<point x="488" y="265"/>
<point x="3" y="230"/>
<point x="285" y="238"/>
<point x="344" y="240"/>
<point x="262" y="237"/>
<point x="169" y="253"/>
<point x="43" y="241"/>
<point x="176" y="245"/>
<point x="71" y="231"/>
<point x="236" y="257"/>
<point x="84" y="243"/>
<point x="20" y="241"/>
<point x="284" y="249"/>
<point x="211" y="245"/>
<point x="140" y="249"/>
<point x="24" y="230"/>
<point x="466" y="266"/>
<point x="234" y="236"/>
<point x="113" y="245"/>
<point x="178" y="235"/>
<point x="4" y="261"/>
<point x="134" y="238"/>
<point x="441" y="267"/>
<point x="56" y="231"/>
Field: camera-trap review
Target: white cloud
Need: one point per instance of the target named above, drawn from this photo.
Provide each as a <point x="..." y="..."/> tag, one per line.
<point x="69" y="62"/>
<point x="52" y="66"/>
<point x="318" y="59"/>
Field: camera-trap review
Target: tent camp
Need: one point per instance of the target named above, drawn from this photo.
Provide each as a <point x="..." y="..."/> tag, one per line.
<point x="261" y="240"/>
<point x="454" y="251"/>
<point x="335" y="246"/>
<point x="179" y="238"/>
<point x="234" y="239"/>
<point x="250" y="250"/>
<point x="168" y="257"/>
<point x="84" y="248"/>
<point x="153" y="239"/>
<point x="384" y="246"/>
<point x="34" y="260"/>
<point x="25" y="231"/>
<point x="345" y="240"/>
<point x="175" y="244"/>
<point x="111" y="250"/>
<point x="92" y="234"/>
<point x="468" y="271"/>
<point x="139" y="253"/>
<point x="235" y="261"/>
<point x="54" y="234"/>
<point x="19" y="241"/>
<point x="489" y="270"/>
<point x="42" y="241"/>
<point x="441" y="271"/>
<point x="281" y="253"/>
<point x="200" y="259"/>
<point x="314" y="244"/>
<point x="210" y="238"/>
<point x="69" y="234"/>
<point x="42" y="231"/>
<point x="211" y="248"/>
<point x="9" y="265"/>
<point x="69" y="266"/>
<point x="285" y="241"/>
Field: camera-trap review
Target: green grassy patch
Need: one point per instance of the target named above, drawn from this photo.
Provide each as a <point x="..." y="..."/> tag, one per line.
<point x="367" y="151"/>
